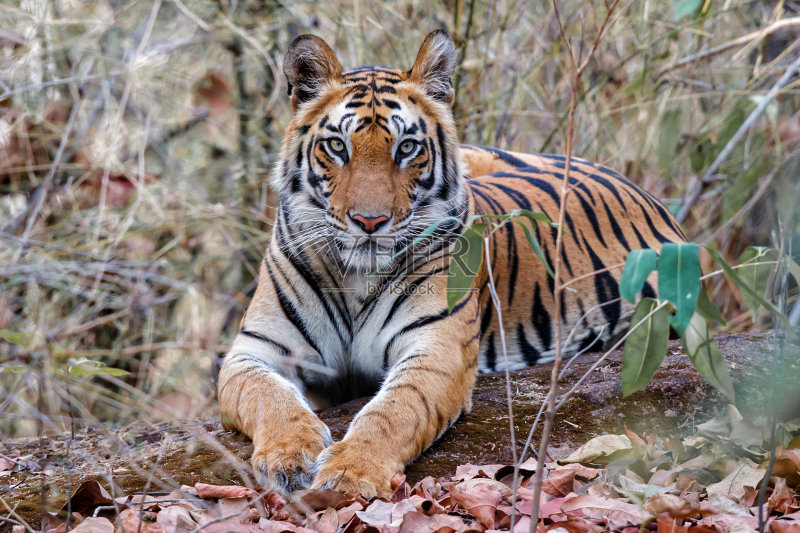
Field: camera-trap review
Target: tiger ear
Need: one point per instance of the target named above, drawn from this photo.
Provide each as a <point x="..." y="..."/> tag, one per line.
<point x="436" y="61"/>
<point x="308" y="64"/>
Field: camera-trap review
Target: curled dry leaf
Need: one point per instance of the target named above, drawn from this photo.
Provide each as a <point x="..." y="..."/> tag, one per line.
<point x="599" y="449"/>
<point x="504" y="490"/>
<point x="480" y="500"/>
<point x="130" y="523"/>
<point x="176" y="519"/>
<point x="615" y="513"/>
<point x="668" y="504"/>
<point x="221" y="491"/>
<point x="89" y="496"/>
<point x="94" y="525"/>
<point x="733" y="485"/>
<point x="378" y="514"/>
<point x="326" y="521"/>
<point x="562" y="481"/>
<point x="782" y="496"/>
<point x="6" y="465"/>
<point x="349" y="511"/>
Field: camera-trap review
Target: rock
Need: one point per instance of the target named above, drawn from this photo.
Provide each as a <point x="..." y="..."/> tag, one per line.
<point x="188" y="452"/>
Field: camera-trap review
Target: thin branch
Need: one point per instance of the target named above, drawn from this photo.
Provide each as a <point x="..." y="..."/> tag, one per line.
<point x="43" y="189"/>
<point x="749" y="39"/>
<point x="558" y="287"/>
<point x="509" y="397"/>
<point x="694" y="193"/>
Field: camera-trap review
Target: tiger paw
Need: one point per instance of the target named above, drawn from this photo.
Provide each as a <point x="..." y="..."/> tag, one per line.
<point x="350" y="467"/>
<point x="289" y="463"/>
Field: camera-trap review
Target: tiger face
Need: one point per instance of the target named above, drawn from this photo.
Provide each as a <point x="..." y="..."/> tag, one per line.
<point x="370" y="158"/>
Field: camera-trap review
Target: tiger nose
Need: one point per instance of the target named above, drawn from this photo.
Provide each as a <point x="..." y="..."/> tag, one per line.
<point x="369" y="223"/>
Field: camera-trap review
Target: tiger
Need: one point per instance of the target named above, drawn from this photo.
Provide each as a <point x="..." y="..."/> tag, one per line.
<point x="352" y="293"/>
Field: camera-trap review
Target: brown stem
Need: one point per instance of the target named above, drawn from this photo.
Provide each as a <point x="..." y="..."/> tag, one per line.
<point x="577" y="71"/>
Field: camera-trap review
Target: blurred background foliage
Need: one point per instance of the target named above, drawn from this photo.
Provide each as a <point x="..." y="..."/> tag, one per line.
<point x="136" y="140"/>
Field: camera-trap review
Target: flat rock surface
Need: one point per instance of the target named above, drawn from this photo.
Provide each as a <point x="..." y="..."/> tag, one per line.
<point x="157" y="459"/>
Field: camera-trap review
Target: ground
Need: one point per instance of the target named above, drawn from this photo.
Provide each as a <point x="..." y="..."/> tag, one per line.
<point x="159" y="459"/>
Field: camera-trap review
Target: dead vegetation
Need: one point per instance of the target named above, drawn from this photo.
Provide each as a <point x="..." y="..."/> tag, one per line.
<point x="136" y="139"/>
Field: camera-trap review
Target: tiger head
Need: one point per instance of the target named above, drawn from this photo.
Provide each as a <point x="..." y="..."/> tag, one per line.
<point x="370" y="158"/>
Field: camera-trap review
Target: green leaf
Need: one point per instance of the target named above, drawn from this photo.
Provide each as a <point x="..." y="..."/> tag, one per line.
<point x="427" y="232"/>
<point x="706" y="357"/>
<point x="14" y="337"/>
<point x="12" y="369"/>
<point x="756" y="275"/>
<point x="669" y="134"/>
<point x="465" y="263"/>
<point x="707" y="309"/>
<point x="684" y="8"/>
<point x="702" y="154"/>
<point x="638" y="266"/>
<point x="645" y="347"/>
<point x="748" y="163"/>
<point x="733" y="121"/>
<point x="533" y="216"/>
<point x="679" y="280"/>
<point x="533" y="242"/>
<point x="746" y="289"/>
<point x="637" y="82"/>
<point x="85" y="367"/>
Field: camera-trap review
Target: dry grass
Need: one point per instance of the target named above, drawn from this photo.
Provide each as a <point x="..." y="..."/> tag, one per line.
<point x="136" y="138"/>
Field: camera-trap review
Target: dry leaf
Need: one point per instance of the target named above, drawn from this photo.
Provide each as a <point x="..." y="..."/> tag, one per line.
<point x="94" y="525"/>
<point x="87" y="498"/>
<point x="732" y="486"/>
<point x="781" y="497"/>
<point x="176" y="519"/>
<point x="378" y="514"/>
<point x="221" y="491"/>
<point x="129" y="520"/>
<point x="615" y="513"/>
<point x="598" y="448"/>
<point x="480" y="500"/>
<point x="670" y="504"/>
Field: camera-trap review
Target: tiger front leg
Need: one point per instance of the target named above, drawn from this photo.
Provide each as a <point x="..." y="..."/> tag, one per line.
<point x="425" y="391"/>
<point x="270" y="409"/>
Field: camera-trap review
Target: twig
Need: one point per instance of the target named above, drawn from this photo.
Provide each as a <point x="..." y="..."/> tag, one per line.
<point x="748" y="39"/>
<point x="12" y="512"/>
<point x="558" y="288"/>
<point x="42" y="190"/>
<point x="499" y="308"/>
<point x="697" y="188"/>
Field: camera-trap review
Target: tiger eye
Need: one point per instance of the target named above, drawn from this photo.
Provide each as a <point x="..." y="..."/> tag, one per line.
<point x="336" y="145"/>
<point x="407" y="147"/>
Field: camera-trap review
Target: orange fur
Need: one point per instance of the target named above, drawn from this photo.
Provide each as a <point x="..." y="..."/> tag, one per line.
<point x="377" y="142"/>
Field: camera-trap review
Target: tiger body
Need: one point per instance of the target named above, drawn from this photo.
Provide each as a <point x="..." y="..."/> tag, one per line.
<point x="349" y="304"/>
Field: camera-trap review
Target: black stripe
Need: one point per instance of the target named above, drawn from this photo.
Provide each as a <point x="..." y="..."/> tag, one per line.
<point x="278" y="346"/>
<point x="615" y="226"/>
<point x="444" y="190"/>
<point x="491" y="355"/>
<point x="541" y="319"/>
<point x="291" y="313"/>
<point x="421" y="322"/>
<point x="529" y="353"/>
<point x="606" y="289"/>
<point x="592" y="217"/>
<point x="313" y="281"/>
<point x="406" y="292"/>
<point x="643" y="243"/>
<point x="504" y="156"/>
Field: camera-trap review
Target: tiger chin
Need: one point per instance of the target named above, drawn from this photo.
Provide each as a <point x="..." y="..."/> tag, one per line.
<point x="349" y="303"/>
